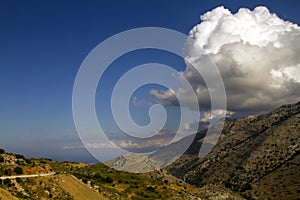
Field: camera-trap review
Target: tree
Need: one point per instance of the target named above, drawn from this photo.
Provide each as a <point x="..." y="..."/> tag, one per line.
<point x="18" y="170"/>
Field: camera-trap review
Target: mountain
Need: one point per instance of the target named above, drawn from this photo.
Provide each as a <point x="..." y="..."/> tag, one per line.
<point x="135" y="163"/>
<point x="256" y="156"/>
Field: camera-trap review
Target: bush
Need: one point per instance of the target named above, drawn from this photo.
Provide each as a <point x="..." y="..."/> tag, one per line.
<point x="19" y="156"/>
<point x="98" y="176"/>
<point x="247" y="186"/>
<point x="108" y="179"/>
<point x="2" y="151"/>
<point x="84" y="180"/>
<point x="7" y="172"/>
<point x="18" y="170"/>
<point x="151" y="189"/>
<point x="18" y="162"/>
<point x="1" y="159"/>
<point x="7" y="182"/>
<point x="28" y="161"/>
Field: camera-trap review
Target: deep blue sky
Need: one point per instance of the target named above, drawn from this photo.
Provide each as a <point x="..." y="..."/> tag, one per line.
<point x="43" y="43"/>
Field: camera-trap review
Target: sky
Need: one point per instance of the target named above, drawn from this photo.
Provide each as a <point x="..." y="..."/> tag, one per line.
<point x="43" y="44"/>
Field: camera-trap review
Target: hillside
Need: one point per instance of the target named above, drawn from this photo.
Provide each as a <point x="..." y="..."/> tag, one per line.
<point x="257" y="156"/>
<point x="6" y="195"/>
<point x="36" y="179"/>
<point x="77" y="189"/>
<point x="76" y="181"/>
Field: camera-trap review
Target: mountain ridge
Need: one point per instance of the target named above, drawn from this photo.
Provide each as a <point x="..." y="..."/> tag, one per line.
<point x="249" y="150"/>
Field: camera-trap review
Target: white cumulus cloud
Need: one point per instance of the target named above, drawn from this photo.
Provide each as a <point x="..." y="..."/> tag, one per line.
<point x="256" y="52"/>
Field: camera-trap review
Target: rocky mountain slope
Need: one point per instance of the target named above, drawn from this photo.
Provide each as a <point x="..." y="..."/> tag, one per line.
<point x="135" y="163"/>
<point x="257" y="156"/>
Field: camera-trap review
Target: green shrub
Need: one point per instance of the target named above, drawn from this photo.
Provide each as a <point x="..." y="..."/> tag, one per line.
<point x="19" y="180"/>
<point x="19" y="156"/>
<point x="84" y="180"/>
<point x="18" y="170"/>
<point x="7" y="182"/>
<point x="151" y="189"/>
<point x="108" y="179"/>
<point x="28" y="161"/>
<point x="7" y="172"/>
<point x="18" y="162"/>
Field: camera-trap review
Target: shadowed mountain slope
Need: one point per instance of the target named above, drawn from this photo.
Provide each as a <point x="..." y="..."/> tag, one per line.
<point x="257" y="156"/>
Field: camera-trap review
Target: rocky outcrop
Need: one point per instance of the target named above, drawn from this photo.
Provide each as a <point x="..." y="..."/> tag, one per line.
<point x="135" y="163"/>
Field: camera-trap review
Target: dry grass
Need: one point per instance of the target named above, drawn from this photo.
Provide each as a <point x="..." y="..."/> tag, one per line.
<point x="4" y="195"/>
<point x="77" y="189"/>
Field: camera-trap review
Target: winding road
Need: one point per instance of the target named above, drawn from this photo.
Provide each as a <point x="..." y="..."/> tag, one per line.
<point x="26" y="176"/>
